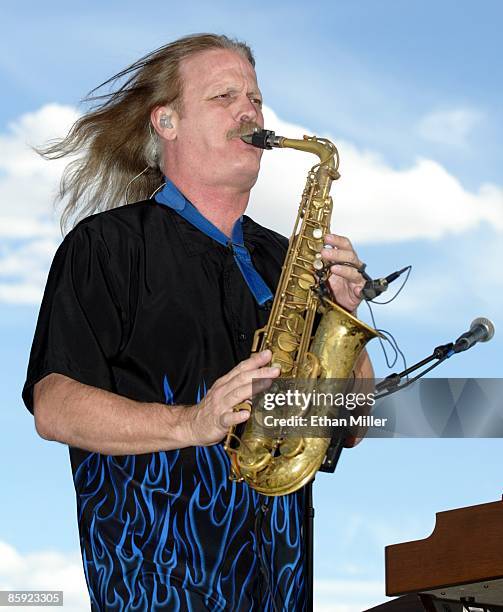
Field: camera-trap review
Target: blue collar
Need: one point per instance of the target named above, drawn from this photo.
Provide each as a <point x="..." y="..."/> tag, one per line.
<point x="171" y="196"/>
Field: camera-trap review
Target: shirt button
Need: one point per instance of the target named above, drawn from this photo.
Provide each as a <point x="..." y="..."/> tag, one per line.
<point x="242" y="336"/>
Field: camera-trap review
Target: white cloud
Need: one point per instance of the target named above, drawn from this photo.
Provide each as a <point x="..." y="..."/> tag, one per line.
<point x="373" y="202"/>
<point x="45" y="570"/>
<point x="450" y="127"/>
<point x="29" y="228"/>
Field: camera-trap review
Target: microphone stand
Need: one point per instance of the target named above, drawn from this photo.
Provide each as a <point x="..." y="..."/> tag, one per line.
<point x="391" y="383"/>
<point x="332" y="457"/>
<point x="309" y="539"/>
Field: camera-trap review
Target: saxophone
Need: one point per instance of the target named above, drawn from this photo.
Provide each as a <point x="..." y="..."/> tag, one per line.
<point x="277" y="466"/>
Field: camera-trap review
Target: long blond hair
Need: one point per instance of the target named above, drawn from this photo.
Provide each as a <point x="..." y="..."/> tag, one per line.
<point x="114" y="141"/>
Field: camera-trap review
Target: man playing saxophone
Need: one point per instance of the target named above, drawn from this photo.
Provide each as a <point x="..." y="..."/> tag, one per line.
<point x="143" y="339"/>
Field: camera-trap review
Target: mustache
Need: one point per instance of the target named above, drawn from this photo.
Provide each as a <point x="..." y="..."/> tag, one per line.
<point x="243" y="128"/>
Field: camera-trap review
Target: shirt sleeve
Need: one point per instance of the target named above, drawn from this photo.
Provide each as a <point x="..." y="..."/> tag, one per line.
<point x="79" y="327"/>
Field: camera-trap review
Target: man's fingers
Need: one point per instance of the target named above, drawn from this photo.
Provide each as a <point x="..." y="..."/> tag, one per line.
<point x="340" y="242"/>
<point x="261" y="384"/>
<point x="249" y="377"/>
<point x="228" y="419"/>
<point x="257" y="360"/>
<point x="246" y="382"/>
<point x="343" y="250"/>
<point x="350" y="274"/>
<point x="338" y="256"/>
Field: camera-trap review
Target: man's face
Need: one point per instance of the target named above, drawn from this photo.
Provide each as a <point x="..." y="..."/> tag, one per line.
<point x="220" y="97"/>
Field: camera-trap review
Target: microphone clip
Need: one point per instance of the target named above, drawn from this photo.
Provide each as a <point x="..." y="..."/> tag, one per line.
<point x="374" y="287"/>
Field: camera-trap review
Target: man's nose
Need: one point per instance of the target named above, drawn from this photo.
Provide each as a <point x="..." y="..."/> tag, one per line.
<point x="246" y="110"/>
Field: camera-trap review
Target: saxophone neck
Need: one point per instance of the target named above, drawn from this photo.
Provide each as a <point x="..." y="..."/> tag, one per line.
<point x="322" y="147"/>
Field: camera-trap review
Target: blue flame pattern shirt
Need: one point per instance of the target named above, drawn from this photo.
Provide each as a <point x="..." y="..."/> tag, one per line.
<point x="141" y="303"/>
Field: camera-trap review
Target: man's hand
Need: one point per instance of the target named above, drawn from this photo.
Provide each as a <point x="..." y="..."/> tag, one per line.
<point x="345" y="282"/>
<point x="209" y="420"/>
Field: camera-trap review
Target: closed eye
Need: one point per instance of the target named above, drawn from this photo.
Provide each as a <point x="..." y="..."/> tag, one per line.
<point x="229" y="94"/>
<point x="223" y="96"/>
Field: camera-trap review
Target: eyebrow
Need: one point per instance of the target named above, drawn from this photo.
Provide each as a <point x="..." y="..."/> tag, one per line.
<point x="230" y="88"/>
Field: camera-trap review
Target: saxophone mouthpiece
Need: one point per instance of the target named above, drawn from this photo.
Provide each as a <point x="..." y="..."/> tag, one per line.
<point x="262" y="139"/>
<point x="247" y="138"/>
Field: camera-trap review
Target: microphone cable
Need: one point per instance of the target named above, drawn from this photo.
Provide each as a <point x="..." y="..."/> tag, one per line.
<point x="407" y="269"/>
<point x="391" y="340"/>
<point x="388" y="336"/>
<point x="380" y="285"/>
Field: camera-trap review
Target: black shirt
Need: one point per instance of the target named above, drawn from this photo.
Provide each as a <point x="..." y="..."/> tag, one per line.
<point x="141" y="303"/>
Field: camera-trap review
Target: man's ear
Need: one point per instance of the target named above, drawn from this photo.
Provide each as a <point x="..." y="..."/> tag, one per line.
<point x="165" y="122"/>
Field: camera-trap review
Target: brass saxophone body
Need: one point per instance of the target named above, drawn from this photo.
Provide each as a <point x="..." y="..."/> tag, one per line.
<point x="277" y="466"/>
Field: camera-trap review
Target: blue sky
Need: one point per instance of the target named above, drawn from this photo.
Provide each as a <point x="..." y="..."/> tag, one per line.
<point x="411" y="92"/>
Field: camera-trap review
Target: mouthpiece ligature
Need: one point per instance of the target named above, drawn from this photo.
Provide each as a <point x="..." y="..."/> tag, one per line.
<point x="262" y="139"/>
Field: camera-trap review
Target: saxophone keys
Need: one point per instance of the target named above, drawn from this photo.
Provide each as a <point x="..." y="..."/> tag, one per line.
<point x="282" y="359"/>
<point x="287" y="342"/>
<point x="317" y="233"/>
<point x="314" y="245"/>
<point x="295" y="323"/>
<point x="306" y="281"/>
<point x="318" y="264"/>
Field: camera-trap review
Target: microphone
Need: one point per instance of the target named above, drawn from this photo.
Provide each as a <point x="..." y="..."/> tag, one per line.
<point x="481" y="330"/>
<point x="373" y="288"/>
